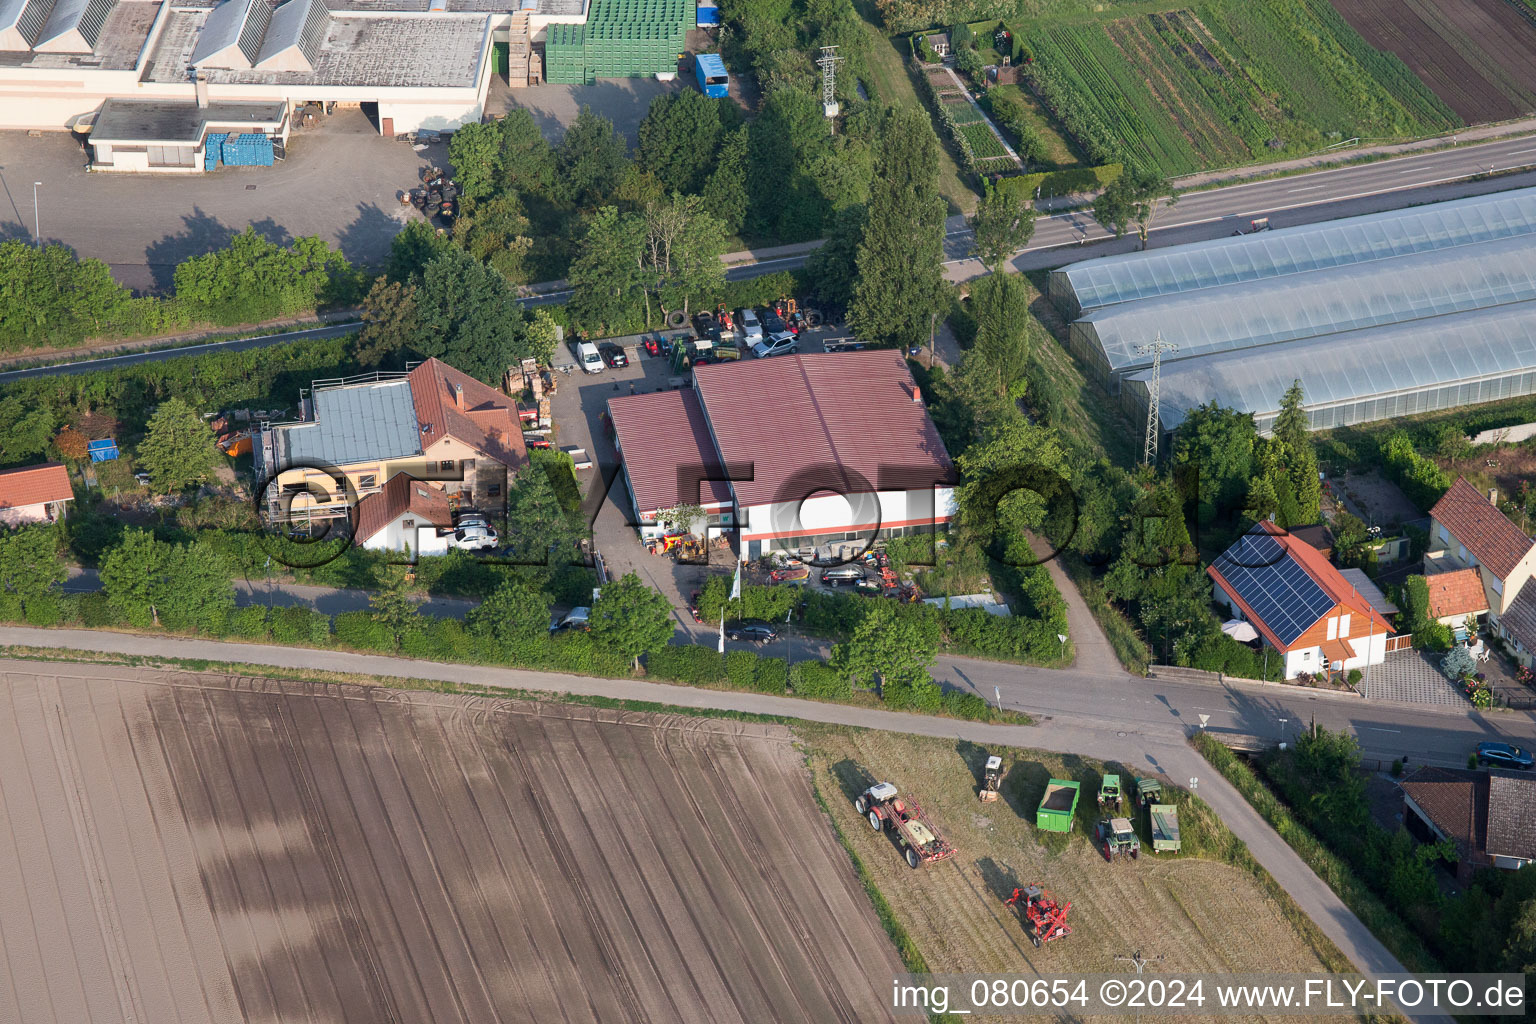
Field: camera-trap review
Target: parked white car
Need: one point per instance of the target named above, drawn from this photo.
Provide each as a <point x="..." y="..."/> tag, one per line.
<point x="750" y="326"/>
<point x="475" y="536"/>
<point x="589" y="358"/>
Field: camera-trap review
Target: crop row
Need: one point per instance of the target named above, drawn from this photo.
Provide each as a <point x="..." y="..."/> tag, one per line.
<point x="983" y="143"/>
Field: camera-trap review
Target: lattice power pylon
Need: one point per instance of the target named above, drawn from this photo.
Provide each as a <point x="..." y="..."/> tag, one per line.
<point x="1154" y="386"/>
<point x="828" y="63"/>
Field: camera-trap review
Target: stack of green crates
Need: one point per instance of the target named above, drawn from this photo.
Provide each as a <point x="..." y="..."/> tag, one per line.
<point x="621" y="39"/>
<point x="565" y="61"/>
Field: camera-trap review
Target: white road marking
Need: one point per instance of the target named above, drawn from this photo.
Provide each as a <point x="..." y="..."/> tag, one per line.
<point x="1375" y="729"/>
<point x="1309" y="188"/>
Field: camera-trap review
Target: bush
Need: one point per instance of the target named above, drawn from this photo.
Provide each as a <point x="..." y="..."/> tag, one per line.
<point x="300" y="626"/>
<point x="818" y="679"/>
<point x="359" y="631"/>
<point x="442" y="639"/>
<point x="247" y="623"/>
<point x="966" y="705"/>
<point x="960" y="35"/>
<point x="693" y="665"/>
<point x="43" y="611"/>
<point x="1354" y="677"/>
<point x="96" y="611"/>
<point x="740" y="669"/>
<point x="1066" y="182"/>
<point x="576" y="652"/>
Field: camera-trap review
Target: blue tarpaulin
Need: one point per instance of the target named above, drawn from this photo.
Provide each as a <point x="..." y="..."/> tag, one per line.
<point x="708" y="16"/>
<point x="103" y="451"/>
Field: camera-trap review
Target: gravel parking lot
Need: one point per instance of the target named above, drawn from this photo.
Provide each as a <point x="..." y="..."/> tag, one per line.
<point x="340" y="181"/>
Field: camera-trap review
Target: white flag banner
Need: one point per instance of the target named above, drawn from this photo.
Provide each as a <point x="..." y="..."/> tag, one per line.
<point x="736" y="584"/>
<point x="722" y="631"/>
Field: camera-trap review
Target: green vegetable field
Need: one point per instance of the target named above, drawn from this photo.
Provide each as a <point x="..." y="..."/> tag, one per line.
<point x="1225" y="82"/>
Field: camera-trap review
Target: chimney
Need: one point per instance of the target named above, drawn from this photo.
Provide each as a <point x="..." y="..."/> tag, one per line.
<point x="1493" y="496"/>
<point x="200" y="86"/>
<point x="458" y="397"/>
<point x="917" y="393"/>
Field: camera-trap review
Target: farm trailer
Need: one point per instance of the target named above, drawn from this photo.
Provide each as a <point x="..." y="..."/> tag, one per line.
<point x="1058" y="806"/>
<point x="920" y="840"/>
<point x="1165" y="828"/>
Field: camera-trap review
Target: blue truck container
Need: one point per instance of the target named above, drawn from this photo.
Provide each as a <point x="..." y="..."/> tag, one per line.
<point x="713" y="78"/>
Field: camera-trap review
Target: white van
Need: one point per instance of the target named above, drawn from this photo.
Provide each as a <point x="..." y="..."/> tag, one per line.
<point x="750" y="326"/>
<point x="586" y="355"/>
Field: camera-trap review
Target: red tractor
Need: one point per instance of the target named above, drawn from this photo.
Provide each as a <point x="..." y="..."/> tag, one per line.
<point x="1045" y="919"/>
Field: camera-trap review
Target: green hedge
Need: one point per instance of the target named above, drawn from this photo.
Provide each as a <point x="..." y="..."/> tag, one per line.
<point x="1071" y="181"/>
<point x="818" y="679"/>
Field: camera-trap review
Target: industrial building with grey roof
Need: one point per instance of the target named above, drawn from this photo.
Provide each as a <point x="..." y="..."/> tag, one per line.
<point x="1380" y="316"/>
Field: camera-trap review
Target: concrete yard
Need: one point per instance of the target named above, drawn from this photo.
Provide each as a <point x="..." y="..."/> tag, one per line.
<point x="203" y="847"/>
<point x="340" y="182"/>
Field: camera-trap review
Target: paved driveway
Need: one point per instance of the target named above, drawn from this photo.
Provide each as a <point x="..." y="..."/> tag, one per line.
<point x="339" y="182"/>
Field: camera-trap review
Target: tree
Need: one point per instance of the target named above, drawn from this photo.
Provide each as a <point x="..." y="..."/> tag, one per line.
<point x="1132" y="198"/>
<point x="527" y="159"/>
<point x="467" y="315"/>
<point x="178" y="449"/>
<point x="608" y="269"/>
<point x="495" y="231"/>
<point x="830" y="268"/>
<point x="683" y="244"/>
<point x="589" y="160"/>
<point x="29" y="562"/>
<point x="254" y="279"/>
<point x="152" y="582"/>
<point x="24" y="432"/>
<point x="1001" y="226"/>
<point x="786" y="203"/>
<point x="680" y="138"/>
<point x="475" y="153"/>
<point x="1292" y="432"/>
<point x="514" y="618"/>
<point x="543" y="532"/>
<point x="997" y="515"/>
<point x="395" y="607"/>
<point x="1219" y="444"/>
<point x="49" y="296"/>
<point x="630" y="618"/>
<point x="417" y="244"/>
<point x="725" y="191"/>
<point x="891" y="651"/>
<point x="72" y="445"/>
<point x="389" y="323"/>
<point x="1000" y="304"/>
<point x="900" y="261"/>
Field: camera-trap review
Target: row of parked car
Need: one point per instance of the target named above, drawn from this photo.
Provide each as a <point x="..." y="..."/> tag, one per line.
<point x="762" y="333"/>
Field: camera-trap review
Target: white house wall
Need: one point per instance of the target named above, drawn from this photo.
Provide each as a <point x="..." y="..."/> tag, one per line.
<point x="421" y="540"/>
<point x="830" y="514"/>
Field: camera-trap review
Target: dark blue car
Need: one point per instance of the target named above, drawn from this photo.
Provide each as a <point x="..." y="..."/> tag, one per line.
<point x="1503" y="755"/>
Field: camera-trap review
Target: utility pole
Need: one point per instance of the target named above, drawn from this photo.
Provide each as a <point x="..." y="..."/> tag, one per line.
<point x="1140" y="962"/>
<point x="828" y="63"/>
<point x="37" y="231"/>
<point x="1154" y="386"/>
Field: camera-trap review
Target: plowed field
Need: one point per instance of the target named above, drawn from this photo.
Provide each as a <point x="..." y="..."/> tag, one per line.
<point x="1199" y="913"/>
<point x="1479" y="56"/>
<point x="193" y="848"/>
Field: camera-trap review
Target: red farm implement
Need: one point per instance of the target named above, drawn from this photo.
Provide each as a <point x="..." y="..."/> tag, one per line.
<point x="920" y="841"/>
<point x="1045" y="919"/>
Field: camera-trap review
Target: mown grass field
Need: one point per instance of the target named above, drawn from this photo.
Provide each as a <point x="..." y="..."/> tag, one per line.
<point x="1221" y="83"/>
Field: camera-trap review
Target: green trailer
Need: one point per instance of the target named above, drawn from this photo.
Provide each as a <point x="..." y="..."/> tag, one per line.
<point x="1058" y="806"/>
<point x="1165" y="828"/>
<point x="1147" y="791"/>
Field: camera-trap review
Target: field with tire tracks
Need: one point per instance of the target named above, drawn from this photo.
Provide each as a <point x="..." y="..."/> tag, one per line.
<point x="195" y="847"/>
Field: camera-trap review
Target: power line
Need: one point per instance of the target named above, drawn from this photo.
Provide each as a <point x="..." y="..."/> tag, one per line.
<point x="828" y="62"/>
<point x="1154" y="387"/>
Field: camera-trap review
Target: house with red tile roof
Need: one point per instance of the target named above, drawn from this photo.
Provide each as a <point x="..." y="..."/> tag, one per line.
<point x="34" y="494"/>
<point x="1488" y="815"/>
<point x="433" y="423"/>
<point x="1467" y="531"/>
<point x="405" y="515"/>
<point x="820" y="453"/>
<point x="1456" y="595"/>
<point x="1299" y="603"/>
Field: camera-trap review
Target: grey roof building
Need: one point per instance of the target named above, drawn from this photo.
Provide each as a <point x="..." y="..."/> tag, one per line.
<point x="352" y="423"/>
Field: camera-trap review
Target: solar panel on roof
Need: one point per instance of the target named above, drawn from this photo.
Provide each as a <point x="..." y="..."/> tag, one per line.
<point x="1281" y="594"/>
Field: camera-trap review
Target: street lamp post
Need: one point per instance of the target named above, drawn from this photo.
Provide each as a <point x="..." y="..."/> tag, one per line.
<point x="37" y="233"/>
<point x="1140" y="962"/>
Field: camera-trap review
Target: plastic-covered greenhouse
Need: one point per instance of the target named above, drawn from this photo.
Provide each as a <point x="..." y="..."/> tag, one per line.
<point x="1224" y="261"/>
<point x="1371" y="374"/>
<point x="1307" y="305"/>
<point x="1377" y="316"/>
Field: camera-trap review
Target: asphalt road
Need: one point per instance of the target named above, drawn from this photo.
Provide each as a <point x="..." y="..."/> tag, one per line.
<point x="1125" y="736"/>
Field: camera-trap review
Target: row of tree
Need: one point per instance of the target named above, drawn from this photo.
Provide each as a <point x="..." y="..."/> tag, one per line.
<point x="49" y="297"/>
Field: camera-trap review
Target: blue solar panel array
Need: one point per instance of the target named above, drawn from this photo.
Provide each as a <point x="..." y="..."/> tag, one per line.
<point x="1274" y="585"/>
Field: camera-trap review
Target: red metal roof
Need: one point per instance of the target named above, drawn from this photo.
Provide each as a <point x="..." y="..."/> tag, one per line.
<point x="35" y="485"/>
<point x="487" y="421"/>
<point x="1472" y="520"/>
<point x="846" y="422"/>
<point x="659" y="435"/>
<point x="400" y="494"/>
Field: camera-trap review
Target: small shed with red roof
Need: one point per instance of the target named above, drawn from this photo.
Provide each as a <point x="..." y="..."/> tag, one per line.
<point x="34" y="494"/>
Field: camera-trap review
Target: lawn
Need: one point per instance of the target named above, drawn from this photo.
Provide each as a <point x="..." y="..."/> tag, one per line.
<point x="1060" y="151"/>
<point x="893" y="82"/>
